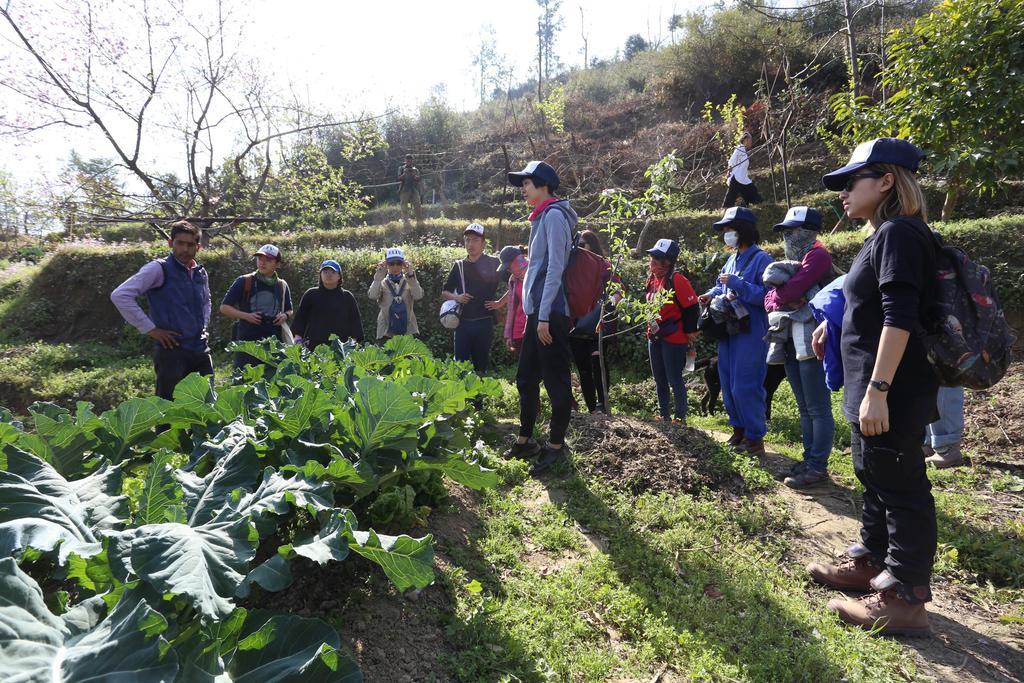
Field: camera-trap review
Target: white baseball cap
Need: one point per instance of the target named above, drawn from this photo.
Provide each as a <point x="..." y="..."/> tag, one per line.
<point x="474" y="228"/>
<point x="394" y="254"/>
<point x="271" y="251"/>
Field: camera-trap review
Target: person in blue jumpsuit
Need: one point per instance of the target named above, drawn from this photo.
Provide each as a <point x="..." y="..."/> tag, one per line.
<point x="742" y="357"/>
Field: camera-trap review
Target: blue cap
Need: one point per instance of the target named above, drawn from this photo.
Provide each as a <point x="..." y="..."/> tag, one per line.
<point x="736" y="214"/>
<point x="665" y="249"/>
<point x="332" y="264"/>
<point x="800" y="217"/>
<point x="535" y="169"/>
<point x="507" y="255"/>
<point x="878" y="151"/>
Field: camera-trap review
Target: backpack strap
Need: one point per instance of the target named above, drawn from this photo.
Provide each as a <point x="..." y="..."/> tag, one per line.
<point x="247" y="284"/>
<point x="401" y="288"/>
<point x="282" y="285"/>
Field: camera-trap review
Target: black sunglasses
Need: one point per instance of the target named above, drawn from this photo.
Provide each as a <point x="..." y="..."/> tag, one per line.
<point x="852" y="180"/>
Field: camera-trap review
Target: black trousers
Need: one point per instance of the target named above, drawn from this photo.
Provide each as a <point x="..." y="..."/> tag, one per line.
<point x="899" y="525"/>
<point x="550" y="364"/>
<point x="172" y="365"/>
<point x="737" y="189"/>
<point x="588" y="365"/>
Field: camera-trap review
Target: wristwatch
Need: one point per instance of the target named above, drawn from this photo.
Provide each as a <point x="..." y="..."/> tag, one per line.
<point x="879" y="384"/>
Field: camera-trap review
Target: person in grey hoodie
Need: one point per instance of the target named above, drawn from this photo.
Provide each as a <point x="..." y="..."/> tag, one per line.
<point x="545" y="355"/>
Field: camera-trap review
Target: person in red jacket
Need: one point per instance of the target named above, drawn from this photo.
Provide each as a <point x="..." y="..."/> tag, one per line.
<point x="667" y="338"/>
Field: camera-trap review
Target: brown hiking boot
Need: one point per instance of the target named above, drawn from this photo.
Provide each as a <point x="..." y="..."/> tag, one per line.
<point x="751" y="446"/>
<point x="885" y="611"/>
<point x="736" y="438"/>
<point x="852" y="574"/>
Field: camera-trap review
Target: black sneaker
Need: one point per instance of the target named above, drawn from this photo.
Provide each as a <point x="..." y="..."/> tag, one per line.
<point x="525" y="451"/>
<point x="548" y="457"/>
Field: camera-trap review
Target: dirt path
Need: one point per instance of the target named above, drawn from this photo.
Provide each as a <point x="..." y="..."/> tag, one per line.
<point x="968" y="642"/>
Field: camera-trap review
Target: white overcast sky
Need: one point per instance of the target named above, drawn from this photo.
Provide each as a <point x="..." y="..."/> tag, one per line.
<point x="366" y="55"/>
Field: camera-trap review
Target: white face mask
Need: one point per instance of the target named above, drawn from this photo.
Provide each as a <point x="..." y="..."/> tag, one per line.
<point x="731" y="238"/>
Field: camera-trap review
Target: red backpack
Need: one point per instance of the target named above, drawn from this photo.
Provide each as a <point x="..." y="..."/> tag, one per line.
<point x="585" y="278"/>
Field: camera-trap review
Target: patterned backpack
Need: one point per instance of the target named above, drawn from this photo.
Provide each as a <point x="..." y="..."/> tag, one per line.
<point x="967" y="337"/>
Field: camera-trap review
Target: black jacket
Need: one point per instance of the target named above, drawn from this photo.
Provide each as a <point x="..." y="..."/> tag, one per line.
<point x="323" y="312"/>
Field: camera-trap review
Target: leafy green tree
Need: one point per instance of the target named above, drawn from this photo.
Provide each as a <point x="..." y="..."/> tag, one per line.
<point x="957" y="82"/>
<point x="309" y="189"/>
<point x="635" y="44"/>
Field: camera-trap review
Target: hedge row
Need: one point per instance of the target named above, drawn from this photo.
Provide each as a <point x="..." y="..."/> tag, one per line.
<point x="67" y="297"/>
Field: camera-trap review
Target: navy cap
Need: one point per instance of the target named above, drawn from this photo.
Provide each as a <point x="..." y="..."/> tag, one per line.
<point x="878" y="151"/>
<point x="507" y="255"/>
<point x="535" y="169"/>
<point x="736" y="214"/>
<point x="800" y="217"/>
<point x="665" y="249"/>
<point x="332" y="264"/>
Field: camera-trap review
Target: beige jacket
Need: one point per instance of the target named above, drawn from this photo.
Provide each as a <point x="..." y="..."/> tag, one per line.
<point x="381" y="293"/>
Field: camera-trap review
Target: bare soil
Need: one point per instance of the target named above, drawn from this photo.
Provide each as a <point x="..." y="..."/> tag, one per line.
<point x="640" y="455"/>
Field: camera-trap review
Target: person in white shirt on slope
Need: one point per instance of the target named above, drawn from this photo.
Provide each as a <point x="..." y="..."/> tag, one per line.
<point x="740" y="184"/>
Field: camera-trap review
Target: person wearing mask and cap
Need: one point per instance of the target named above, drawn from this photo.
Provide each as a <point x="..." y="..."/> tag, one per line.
<point x="178" y="291"/>
<point x="327" y="309"/>
<point x="890" y="391"/>
<point x="395" y="285"/>
<point x="667" y="338"/>
<point x="742" y="356"/>
<point x="806" y="376"/>
<point x="259" y="303"/>
<point x="473" y="282"/>
<point x="545" y="354"/>
<point x="514" y="263"/>
<point x="739" y="182"/>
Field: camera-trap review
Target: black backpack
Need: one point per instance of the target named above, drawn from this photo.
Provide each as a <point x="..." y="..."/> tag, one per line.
<point x="965" y="331"/>
<point x="398" y="314"/>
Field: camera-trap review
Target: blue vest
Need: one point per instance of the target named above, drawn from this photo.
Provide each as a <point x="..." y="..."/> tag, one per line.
<point x="177" y="304"/>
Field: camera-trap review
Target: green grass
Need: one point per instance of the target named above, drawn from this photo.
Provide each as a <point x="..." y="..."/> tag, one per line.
<point x="698" y="583"/>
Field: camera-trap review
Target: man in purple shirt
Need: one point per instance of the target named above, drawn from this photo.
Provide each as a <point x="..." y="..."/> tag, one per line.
<point x="178" y="291"/>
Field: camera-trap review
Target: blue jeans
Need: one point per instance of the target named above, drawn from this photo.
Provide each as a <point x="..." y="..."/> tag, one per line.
<point x="807" y="377"/>
<point x="667" y="363"/>
<point x="949" y="428"/>
<point x="473" y="342"/>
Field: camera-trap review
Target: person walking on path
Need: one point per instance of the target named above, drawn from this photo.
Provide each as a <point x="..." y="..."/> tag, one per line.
<point x="475" y="332"/>
<point x="514" y="262"/>
<point x="178" y="291"/>
<point x="890" y="391"/>
<point x="410" y="190"/>
<point x="327" y="309"/>
<point x="806" y="376"/>
<point x="742" y="363"/>
<point x="259" y="303"/>
<point x="545" y="354"/>
<point x="942" y="437"/>
<point x="738" y="180"/>
<point x="395" y="287"/>
<point x="668" y="336"/>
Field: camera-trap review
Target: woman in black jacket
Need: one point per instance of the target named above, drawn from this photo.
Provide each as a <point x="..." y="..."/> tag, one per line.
<point x="327" y="309"/>
<point x="890" y="392"/>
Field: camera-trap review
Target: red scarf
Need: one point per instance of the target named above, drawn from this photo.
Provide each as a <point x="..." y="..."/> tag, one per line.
<point x="539" y="209"/>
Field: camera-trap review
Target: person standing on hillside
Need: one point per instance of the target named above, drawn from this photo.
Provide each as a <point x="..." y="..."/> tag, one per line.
<point x="514" y="262"/>
<point x="742" y="356"/>
<point x="395" y="288"/>
<point x="806" y="375"/>
<point x="545" y="354"/>
<point x="178" y="291"/>
<point x="259" y="303"/>
<point x="478" y="272"/>
<point x="890" y="391"/>
<point x="738" y="180"/>
<point x="410" y="190"/>
<point x="327" y="309"/>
